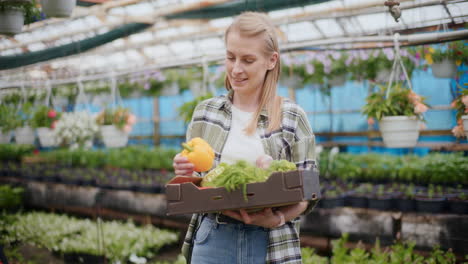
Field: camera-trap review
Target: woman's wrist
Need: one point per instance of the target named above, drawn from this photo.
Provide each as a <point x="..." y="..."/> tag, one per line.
<point x="281" y="218"/>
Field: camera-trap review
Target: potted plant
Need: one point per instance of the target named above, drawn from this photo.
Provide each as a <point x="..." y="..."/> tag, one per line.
<point x="399" y="115"/>
<point x="76" y="130"/>
<point x="404" y="200"/>
<point x="115" y="124"/>
<point x="431" y="200"/>
<point x="333" y="197"/>
<point x="14" y="14"/>
<point x="359" y="196"/>
<point x="7" y="121"/>
<point x="58" y="8"/>
<point x="44" y="120"/>
<point x="337" y="70"/>
<point x="381" y="198"/>
<point x="444" y="61"/>
<point x="460" y="104"/>
<point x="24" y="134"/>
<point x="458" y="200"/>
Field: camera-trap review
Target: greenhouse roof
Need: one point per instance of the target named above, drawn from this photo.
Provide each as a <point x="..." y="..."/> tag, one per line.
<point x="125" y="35"/>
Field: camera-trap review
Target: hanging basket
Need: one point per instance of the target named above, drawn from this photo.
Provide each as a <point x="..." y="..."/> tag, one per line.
<point x="11" y="21"/>
<point x="24" y="135"/>
<point x="46" y="137"/>
<point x="399" y="131"/>
<point x="465" y="124"/>
<point x="444" y="69"/>
<point x="113" y="137"/>
<point x="58" y="8"/>
<point x="338" y="80"/>
<point x="5" y="137"/>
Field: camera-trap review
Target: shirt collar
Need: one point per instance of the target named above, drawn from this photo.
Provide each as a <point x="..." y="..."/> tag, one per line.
<point x="227" y="103"/>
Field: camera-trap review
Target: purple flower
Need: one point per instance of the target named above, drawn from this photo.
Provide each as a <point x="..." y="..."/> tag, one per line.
<point x="335" y="55"/>
<point x="310" y="69"/>
<point x="147" y="86"/>
<point x="364" y="55"/>
<point x="287" y="60"/>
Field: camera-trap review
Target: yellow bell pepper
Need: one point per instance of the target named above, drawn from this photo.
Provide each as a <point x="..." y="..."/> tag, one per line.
<point x="199" y="153"/>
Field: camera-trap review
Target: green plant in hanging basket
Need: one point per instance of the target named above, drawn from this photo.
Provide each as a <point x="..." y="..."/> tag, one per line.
<point x="7" y="119"/>
<point x="119" y="117"/>
<point x="45" y="116"/>
<point x="400" y="102"/>
<point x="456" y="51"/>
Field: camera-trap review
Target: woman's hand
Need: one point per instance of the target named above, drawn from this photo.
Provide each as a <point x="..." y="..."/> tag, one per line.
<point x="266" y="217"/>
<point x="182" y="166"/>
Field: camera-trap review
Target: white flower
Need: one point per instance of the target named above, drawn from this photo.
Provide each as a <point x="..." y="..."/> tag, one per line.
<point x="135" y="259"/>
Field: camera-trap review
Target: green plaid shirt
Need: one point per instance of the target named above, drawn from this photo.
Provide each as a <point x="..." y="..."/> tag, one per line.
<point x="294" y="141"/>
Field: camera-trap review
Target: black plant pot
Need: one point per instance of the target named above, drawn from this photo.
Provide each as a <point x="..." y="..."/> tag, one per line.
<point x="430" y="205"/>
<point x="78" y="258"/>
<point x="405" y="205"/>
<point x="357" y="201"/>
<point x="458" y="207"/>
<point x="329" y="203"/>
<point x="381" y="203"/>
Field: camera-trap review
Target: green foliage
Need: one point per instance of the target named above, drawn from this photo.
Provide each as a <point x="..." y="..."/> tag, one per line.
<point x="455" y="50"/>
<point x="44" y="117"/>
<point x="436" y="168"/>
<point x="310" y="257"/>
<point x="66" y="234"/>
<point x="14" y="152"/>
<point x="118" y="117"/>
<point x="186" y="110"/>
<point x="10" y="197"/>
<point x="398" y="103"/>
<point x="23" y="116"/>
<point x="281" y="165"/>
<point x="7" y="118"/>
<point x="131" y="157"/>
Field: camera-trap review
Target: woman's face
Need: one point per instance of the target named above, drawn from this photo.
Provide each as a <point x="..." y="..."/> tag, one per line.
<point x="246" y="62"/>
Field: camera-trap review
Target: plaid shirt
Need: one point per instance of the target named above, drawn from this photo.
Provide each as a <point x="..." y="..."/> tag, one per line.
<point x="294" y="141"/>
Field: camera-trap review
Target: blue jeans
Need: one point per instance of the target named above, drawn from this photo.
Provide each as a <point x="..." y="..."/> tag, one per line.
<point x="229" y="243"/>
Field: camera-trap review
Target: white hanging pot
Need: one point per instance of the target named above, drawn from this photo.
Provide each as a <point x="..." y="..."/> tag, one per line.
<point x="113" y="137"/>
<point x="399" y="131"/>
<point x="58" y="8"/>
<point x="46" y="137"/>
<point x="24" y="135"/>
<point x="5" y="137"/>
<point x="338" y="80"/>
<point x="465" y="124"/>
<point x="11" y="21"/>
<point x="444" y="69"/>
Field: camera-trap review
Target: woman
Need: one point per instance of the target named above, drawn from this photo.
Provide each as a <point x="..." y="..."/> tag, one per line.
<point x="248" y="123"/>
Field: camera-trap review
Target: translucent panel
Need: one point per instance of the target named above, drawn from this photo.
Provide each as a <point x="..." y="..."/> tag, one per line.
<point x="166" y="32"/>
<point x="182" y="48"/>
<point x="93" y="21"/>
<point x="140" y="37"/>
<point x="301" y="31"/>
<point x="117" y="11"/>
<point x="329" y="27"/>
<point x="36" y="46"/>
<point x="118" y="43"/>
<point x="417" y="15"/>
<point x="210" y="46"/>
<point x="134" y="55"/>
<point x="221" y="22"/>
<point x="325" y="6"/>
<point x="189" y="29"/>
<point x="157" y="51"/>
<point x="9" y="52"/>
<point x="458" y="9"/>
<point x="351" y="26"/>
<point x="139" y="9"/>
<point x="286" y="12"/>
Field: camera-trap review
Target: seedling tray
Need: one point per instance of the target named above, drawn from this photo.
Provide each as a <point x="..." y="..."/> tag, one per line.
<point x="184" y="196"/>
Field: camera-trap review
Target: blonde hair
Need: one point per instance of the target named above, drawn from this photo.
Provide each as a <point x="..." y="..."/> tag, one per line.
<point x="252" y="24"/>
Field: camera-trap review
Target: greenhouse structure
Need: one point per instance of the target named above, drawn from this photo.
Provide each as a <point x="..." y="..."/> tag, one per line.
<point x="125" y="125"/>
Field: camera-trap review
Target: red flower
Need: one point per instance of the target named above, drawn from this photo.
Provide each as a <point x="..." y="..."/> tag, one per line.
<point x="52" y="114"/>
<point x="36" y="152"/>
<point x="52" y="126"/>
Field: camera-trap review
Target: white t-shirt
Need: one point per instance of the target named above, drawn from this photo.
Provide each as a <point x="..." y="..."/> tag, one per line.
<point x="240" y="146"/>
